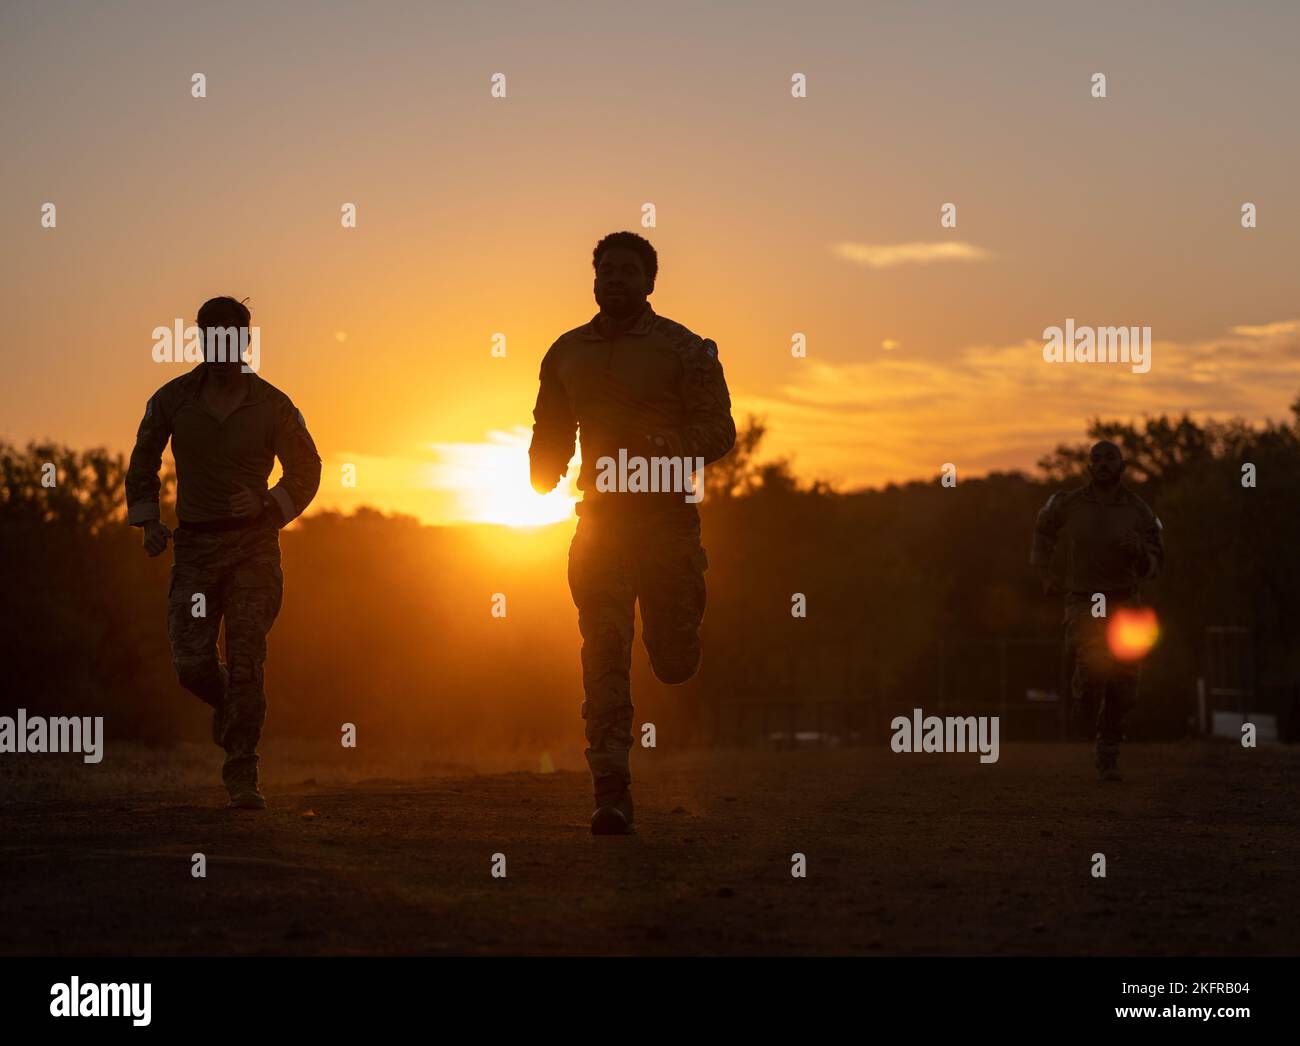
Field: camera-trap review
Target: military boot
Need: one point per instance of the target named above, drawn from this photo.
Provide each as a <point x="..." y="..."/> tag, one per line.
<point x="240" y="776"/>
<point x="1108" y="761"/>
<point x="613" y="814"/>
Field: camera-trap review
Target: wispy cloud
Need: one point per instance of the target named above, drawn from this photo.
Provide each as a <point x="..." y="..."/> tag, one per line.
<point x="1269" y="330"/>
<point x="890" y="255"/>
<point x="895" y="416"/>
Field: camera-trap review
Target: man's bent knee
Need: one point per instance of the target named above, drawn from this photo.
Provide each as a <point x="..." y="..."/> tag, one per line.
<point x="201" y="676"/>
<point x="677" y="667"/>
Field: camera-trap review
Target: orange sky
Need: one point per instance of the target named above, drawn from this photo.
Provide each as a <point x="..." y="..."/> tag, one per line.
<point x="775" y="215"/>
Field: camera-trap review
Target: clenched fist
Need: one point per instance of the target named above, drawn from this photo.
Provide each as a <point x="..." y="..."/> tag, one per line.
<point x="155" y="537"/>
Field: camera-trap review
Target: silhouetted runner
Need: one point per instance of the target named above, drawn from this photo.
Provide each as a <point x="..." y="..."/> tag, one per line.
<point x="227" y="427"/>
<point x="647" y="393"/>
<point x="1114" y="542"/>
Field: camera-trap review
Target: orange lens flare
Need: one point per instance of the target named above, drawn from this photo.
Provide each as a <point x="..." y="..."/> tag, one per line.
<point x="1132" y="632"/>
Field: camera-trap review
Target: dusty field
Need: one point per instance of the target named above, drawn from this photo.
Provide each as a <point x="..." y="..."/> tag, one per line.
<point x="905" y="854"/>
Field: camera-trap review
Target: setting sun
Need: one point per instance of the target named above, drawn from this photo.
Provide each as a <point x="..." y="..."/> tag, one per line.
<point x="491" y="485"/>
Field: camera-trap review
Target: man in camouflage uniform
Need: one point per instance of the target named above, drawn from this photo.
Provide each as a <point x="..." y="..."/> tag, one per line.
<point x="227" y="427"/>
<point x="634" y="382"/>
<point x="1114" y="542"/>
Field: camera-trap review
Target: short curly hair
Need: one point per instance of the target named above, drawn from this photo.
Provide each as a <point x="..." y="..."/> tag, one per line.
<point x="630" y="240"/>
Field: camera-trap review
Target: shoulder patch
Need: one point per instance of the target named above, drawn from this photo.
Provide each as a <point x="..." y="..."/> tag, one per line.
<point x="301" y="420"/>
<point x="711" y="347"/>
<point x="148" y="408"/>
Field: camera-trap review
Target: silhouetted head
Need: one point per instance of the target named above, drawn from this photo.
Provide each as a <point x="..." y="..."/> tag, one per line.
<point x="217" y="318"/>
<point x="1105" y="463"/>
<point x="626" y="266"/>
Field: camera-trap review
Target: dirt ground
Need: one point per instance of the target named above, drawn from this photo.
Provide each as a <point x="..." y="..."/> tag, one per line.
<point x="906" y="854"/>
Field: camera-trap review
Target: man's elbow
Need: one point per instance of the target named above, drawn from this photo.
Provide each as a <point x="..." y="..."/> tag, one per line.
<point x="726" y="439"/>
<point x="302" y="489"/>
<point x="312" y="485"/>
<point x="729" y="435"/>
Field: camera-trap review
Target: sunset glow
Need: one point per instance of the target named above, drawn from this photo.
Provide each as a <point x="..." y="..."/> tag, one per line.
<point x="923" y="340"/>
<point x="490" y="482"/>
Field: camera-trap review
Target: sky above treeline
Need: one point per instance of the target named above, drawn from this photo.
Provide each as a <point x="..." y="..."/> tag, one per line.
<point x="775" y="216"/>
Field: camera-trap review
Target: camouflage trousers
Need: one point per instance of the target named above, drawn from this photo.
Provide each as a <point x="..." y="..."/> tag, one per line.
<point x="614" y="563"/>
<point x="238" y="574"/>
<point x="1103" y="689"/>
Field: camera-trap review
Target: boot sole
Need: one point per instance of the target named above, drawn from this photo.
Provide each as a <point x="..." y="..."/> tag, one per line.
<point x="609" y="821"/>
<point x="247" y="802"/>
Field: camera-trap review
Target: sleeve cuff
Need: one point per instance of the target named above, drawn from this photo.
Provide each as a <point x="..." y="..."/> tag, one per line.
<point x="142" y="512"/>
<point x="285" y="502"/>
